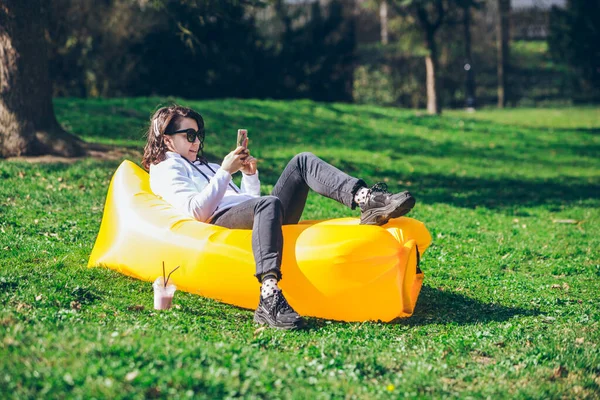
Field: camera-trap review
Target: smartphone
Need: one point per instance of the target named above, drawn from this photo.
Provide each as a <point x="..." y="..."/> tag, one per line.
<point x="242" y="135"/>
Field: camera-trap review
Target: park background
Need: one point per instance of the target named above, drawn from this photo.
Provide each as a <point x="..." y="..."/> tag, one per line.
<point x="486" y="110"/>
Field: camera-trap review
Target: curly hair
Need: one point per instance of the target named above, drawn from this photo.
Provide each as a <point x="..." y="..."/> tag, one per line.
<point x="166" y="119"/>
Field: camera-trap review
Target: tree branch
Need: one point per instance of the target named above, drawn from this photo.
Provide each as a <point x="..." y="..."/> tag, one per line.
<point x="441" y="13"/>
<point x="422" y="17"/>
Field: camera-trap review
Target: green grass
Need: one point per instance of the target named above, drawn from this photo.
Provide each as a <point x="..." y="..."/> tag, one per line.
<point x="510" y="303"/>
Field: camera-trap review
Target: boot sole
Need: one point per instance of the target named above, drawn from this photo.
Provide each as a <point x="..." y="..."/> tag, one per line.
<point x="261" y="320"/>
<point x="397" y="208"/>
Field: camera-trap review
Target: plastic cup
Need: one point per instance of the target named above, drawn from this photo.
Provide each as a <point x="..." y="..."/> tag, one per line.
<point x="163" y="296"/>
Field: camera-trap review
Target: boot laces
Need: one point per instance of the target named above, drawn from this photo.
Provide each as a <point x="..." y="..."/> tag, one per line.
<point x="379" y="187"/>
<point x="280" y="304"/>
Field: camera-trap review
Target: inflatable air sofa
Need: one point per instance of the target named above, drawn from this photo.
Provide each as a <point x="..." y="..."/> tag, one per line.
<point x="333" y="269"/>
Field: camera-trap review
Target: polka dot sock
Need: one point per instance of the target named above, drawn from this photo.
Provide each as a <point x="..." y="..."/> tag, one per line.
<point x="269" y="285"/>
<point x="361" y="196"/>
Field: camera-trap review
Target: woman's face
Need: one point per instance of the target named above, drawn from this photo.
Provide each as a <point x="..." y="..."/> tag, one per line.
<point x="179" y="144"/>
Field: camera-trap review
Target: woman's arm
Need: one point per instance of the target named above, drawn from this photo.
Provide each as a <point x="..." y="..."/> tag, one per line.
<point x="250" y="184"/>
<point x="170" y="181"/>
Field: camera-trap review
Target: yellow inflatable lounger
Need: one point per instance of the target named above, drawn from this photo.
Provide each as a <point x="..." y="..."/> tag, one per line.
<point x="334" y="269"/>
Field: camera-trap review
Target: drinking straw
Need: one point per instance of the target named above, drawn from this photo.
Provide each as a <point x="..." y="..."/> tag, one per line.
<point x="164" y="274"/>
<point x="170" y="275"/>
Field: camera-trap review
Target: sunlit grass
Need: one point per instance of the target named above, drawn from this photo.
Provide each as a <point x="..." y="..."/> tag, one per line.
<point x="509" y="307"/>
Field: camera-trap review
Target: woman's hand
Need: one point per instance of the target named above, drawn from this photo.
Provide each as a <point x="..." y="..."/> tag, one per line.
<point x="249" y="167"/>
<point x="234" y="161"/>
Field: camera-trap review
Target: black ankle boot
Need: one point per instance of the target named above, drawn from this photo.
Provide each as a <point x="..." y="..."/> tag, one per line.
<point x="381" y="205"/>
<point x="275" y="311"/>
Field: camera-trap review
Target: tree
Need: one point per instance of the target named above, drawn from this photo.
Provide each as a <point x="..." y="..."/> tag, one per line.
<point x="574" y="39"/>
<point x="315" y="50"/>
<point x="502" y="39"/>
<point x="430" y="15"/>
<point x="28" y="125"/>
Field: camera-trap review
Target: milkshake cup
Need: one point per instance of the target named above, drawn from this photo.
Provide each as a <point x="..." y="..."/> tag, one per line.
<point x="163" y="296"/>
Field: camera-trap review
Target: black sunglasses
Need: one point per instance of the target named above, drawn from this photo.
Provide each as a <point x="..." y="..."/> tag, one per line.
<point x="190" y="134"/>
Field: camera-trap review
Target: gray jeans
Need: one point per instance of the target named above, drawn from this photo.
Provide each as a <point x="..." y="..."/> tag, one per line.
<point x="265" y="215"/>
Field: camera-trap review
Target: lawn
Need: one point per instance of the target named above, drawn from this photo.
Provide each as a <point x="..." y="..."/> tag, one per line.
<point x="509" y="307"/>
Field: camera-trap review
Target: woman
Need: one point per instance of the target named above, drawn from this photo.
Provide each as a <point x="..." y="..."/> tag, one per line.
<point x="180" y="175"/>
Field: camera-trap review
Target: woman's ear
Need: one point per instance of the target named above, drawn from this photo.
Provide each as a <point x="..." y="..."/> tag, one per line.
<point x="168" y="142"/>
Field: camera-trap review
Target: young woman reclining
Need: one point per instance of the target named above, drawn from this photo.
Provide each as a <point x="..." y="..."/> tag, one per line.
<point x="180" y="175"/>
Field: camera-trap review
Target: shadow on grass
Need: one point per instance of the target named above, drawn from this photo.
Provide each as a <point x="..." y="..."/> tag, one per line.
<point x="585" y="131"/>
<point x="472" y="192"/>
<point x="589" y="131"/>
<point x="324" y="128"/>
<point x="440" y="307"/>
<point x="459" y="191"/>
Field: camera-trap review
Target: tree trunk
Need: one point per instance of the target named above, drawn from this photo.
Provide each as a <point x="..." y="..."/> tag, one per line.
<point x="431" y="68"/>
<point x="28" y="125"/>
<point x="503" y="50"/>
<point x="386" y="66"/>
<point x="383" y="20"/>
